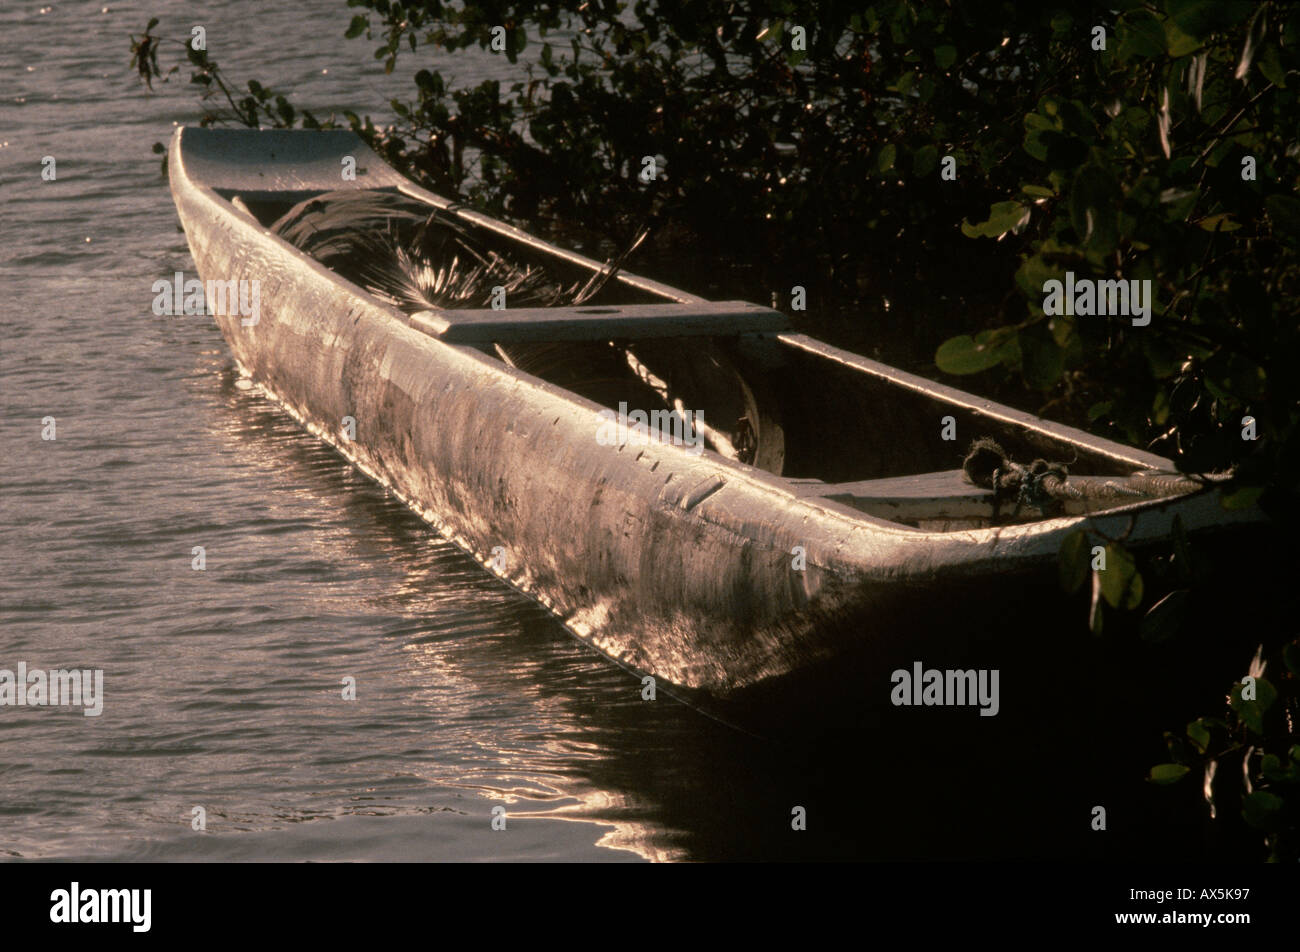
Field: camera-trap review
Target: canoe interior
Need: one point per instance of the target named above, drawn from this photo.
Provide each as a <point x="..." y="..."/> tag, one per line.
<point x="837" y="427"/>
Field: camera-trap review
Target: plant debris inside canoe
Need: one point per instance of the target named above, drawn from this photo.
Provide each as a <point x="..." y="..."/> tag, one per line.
<point x="417" y="257"/>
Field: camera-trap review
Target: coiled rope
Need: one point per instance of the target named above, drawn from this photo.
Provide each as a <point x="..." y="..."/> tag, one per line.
<point x="1046" y="486"/>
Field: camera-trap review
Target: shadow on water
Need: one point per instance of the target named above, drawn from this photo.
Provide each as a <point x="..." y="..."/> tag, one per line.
<point x="1079" y="724"/>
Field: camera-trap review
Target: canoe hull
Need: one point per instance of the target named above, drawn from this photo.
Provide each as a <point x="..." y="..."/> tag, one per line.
<point x="709" y="575"/>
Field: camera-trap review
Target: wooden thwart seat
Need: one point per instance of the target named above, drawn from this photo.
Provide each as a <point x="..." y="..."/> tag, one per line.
<point x="948" y="495"/>
<point x="944" y="495"/>
<point x="598" y="322"/>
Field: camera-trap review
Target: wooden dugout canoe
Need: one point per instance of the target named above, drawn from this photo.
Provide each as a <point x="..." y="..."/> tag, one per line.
<point x="695" y="567"/>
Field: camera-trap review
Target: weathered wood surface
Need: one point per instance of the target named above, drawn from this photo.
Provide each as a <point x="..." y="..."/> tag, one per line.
<point x="675" y="564"/>
<point x="626" y="322"/>
<point x="949" y="495"/>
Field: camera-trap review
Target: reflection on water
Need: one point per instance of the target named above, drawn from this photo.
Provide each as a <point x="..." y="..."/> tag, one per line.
<point x="488" y="680"/>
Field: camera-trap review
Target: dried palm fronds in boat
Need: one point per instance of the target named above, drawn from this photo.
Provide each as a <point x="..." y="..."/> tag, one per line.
<point x="418" y="258"/>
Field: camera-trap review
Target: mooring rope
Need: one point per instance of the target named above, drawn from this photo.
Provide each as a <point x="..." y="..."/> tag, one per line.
<point x="1046" y="485"/>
